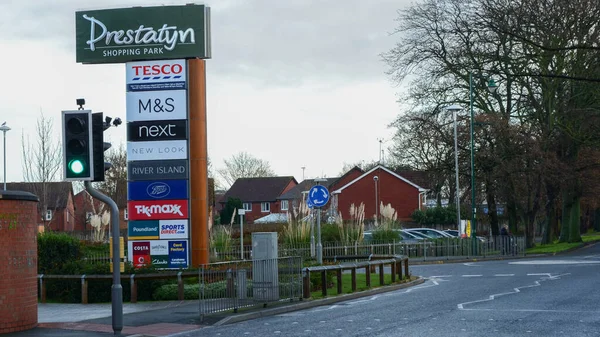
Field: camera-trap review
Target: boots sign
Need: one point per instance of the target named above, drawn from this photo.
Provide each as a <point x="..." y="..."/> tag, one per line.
<point x="142" y="33"/>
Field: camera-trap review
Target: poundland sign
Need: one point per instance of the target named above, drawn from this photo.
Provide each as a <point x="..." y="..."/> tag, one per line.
<point x="142" y="33"/>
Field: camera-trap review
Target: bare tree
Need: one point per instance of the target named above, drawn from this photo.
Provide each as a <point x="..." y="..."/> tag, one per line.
<point x="115" y="179"/>
<point x="42" y="160"/>
<point x="244" y="165"/>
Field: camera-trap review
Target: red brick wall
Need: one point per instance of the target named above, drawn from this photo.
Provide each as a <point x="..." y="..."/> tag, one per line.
<point x="18" y="265"/>
<point x="403" y="196"/>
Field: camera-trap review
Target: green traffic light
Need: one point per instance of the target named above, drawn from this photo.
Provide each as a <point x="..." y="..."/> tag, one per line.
<point x="76" y="166"/>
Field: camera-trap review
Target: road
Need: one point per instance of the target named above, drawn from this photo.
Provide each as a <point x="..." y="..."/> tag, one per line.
<point x="551" y="296"/>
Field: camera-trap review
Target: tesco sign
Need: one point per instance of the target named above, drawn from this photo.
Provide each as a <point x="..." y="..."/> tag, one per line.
<point x="160" y="71"/>
<point x="157" y="69"/>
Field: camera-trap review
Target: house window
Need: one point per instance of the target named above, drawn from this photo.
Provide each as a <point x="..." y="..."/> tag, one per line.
<point x="284" y="205"/>
<point x="265" y="207"/>
<point x="48" y="215"/>
<point x="247" y="206"/>
<point x="68" y="218"/>
<point x="125" y="215"/>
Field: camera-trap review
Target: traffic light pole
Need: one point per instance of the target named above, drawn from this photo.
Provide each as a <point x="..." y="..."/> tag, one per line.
<point x="117" y="289"/>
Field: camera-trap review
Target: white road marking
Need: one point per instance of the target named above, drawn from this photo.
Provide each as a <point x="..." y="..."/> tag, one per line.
<point x="472" y="275"/>
<point x="503" y="275"/>
<point x="470" y="264"/>
<point x="516" y="290"/>
<point x="440" y="276"/>
<point x="554" y="262"/>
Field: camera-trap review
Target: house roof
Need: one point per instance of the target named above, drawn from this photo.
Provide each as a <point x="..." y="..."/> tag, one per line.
<point x="418" y="177"/>
<point x="57" y="193"/>
<point x="421" y="189"/>
<point x="258" y="189"/>
<point x="273" y="218"/>
<point x="296" y="192"/>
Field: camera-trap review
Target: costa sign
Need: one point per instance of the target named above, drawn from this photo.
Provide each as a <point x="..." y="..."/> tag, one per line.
<point x="156" y="210"/>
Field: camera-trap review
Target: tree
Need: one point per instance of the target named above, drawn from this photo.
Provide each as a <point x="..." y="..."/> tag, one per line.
<point x="115" y="179"/>
<point x="42" y="161"/>
<point x="363" y="165"/>
<point x="244" y="165"/>
<point x="231" y="207"/>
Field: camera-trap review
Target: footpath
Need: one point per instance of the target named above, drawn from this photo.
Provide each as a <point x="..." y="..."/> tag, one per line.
<point x="169" y="318"/>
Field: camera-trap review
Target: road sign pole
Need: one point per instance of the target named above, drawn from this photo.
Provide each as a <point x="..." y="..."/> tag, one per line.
<point x="116" y="289"/>
<point x="312" y="233"/>
<point x="319" y="245"/>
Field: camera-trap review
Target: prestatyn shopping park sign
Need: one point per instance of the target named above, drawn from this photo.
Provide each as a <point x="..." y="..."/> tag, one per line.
<point x="142" y="33"/>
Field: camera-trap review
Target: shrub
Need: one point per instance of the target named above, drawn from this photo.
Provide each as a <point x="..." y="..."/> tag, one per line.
<point x="385" y="235"/>
<point x="56" y="250"/>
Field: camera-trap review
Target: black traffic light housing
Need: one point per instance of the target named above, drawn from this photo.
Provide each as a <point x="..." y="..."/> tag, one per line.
<point x="77" y="145"/>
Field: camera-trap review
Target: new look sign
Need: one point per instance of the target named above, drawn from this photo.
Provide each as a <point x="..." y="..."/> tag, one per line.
<point x="142" y="33"/>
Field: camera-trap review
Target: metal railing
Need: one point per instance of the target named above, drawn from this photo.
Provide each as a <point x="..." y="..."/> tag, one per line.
<point x="239" y="284"/>
<point x="443" y="248"/>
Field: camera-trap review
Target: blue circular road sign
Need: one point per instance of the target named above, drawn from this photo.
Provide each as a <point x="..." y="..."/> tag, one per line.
<point x="318" y="195"/>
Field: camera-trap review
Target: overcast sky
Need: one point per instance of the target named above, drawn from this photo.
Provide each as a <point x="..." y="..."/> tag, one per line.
<point x="294" y="82"/>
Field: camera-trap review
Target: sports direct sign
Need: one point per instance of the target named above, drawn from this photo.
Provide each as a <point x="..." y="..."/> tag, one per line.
<point x="157" y="209"/>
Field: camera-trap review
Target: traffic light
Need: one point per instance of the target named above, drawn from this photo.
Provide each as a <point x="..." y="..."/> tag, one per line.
<point x="77" y="145"/>
<point x="99" y="147"/>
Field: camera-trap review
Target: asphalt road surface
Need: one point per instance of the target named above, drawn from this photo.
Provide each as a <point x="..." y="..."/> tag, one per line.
<point x="550" y="296"/>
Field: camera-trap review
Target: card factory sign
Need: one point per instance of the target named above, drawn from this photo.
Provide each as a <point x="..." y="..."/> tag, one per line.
<point x="142" y="33"/>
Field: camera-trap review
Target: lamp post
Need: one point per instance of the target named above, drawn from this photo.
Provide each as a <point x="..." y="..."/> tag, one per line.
<point x="375" y="178"/>
<point x="455" y="109"/>
<point x="492" y="86"/>
<point x="4" y="129"/>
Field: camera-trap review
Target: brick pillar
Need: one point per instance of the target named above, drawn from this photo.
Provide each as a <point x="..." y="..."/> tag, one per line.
<point x="18" y="261"/>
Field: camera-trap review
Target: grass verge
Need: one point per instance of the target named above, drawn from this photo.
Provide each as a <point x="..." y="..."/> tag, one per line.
<point x="557" y="247"/>
<point x="361" y="284"/>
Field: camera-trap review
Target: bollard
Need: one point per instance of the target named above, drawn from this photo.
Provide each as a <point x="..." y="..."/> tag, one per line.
<point x="381" y="275"/>
<point x="84" y="290"/>
<point x="368" y="275"/>
<point x="324" y="282"/>
<point x="393" y="266"/>
<point x="339" y="281"/>
<point x="133" y="287"/>
<point x="180" y="288"/>
<point x="406" y="274"/>
<point x="42" y="289"/>
<point x="306" y="283"/>
<point x="354" y="279"/>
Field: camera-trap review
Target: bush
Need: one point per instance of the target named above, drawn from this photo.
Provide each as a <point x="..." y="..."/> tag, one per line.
<point x="386" y="235"/>
<point x="329" y="233"/>
<point x="55" y="250"/>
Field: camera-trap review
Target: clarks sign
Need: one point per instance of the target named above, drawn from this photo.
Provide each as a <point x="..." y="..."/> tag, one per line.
<point x="142" y="33"/>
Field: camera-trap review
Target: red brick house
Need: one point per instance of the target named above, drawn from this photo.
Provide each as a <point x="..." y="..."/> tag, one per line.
<point x="56" y="210"/>
<point x="389" y="187"/>
<point x="259" y="195"/>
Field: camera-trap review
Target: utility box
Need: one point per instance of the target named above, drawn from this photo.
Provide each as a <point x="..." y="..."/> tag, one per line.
<point x="265" y="273"/>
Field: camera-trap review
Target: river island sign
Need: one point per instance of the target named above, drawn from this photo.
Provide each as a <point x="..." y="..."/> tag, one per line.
<point x="142" y="33"/>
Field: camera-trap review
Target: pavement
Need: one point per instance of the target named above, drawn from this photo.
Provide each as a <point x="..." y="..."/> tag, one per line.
<point x="173" y="318"/>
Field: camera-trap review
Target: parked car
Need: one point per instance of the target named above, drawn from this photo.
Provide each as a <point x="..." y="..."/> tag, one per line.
<point x="430" y="232"/>
<point x="406" y="237"/>
<point x="456" y="234"/>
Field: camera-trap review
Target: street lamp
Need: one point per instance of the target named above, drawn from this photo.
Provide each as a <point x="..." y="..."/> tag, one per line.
<point x="4" y="129"/>
<point x="492" y="86"/>
<point x="455" y="109"/>
<point x="375" y="178"/>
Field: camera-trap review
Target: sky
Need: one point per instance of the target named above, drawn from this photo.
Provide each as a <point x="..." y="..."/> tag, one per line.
<point x="298" y="83"/>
